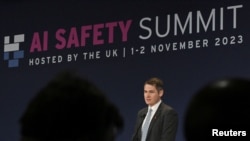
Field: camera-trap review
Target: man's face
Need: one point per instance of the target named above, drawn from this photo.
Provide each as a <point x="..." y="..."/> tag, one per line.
<point x="151" y="94"/>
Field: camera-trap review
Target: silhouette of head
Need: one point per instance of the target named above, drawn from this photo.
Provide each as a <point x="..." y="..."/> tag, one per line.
<point x="70" y="108"/>
<point x="223" y="105"/>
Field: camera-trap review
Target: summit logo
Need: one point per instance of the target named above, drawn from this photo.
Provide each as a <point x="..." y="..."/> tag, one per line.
<point x="12" y="51"/>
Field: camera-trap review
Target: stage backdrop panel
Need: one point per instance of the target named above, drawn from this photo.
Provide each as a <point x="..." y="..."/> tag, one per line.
<point x="119" y="45"/>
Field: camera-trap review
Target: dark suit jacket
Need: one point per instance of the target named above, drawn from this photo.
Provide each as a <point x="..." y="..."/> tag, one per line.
<point x="163" y="125"/>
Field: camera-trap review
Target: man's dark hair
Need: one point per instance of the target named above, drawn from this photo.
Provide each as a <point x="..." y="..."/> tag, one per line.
<point x="69" y="108"/>
<point x="158" y="83"/>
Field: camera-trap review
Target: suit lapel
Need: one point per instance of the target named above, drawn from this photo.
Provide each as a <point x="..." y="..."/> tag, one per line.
<point x="140" y="121"/>
<point x="155" y="118"/>
<point x="143" y="115"/>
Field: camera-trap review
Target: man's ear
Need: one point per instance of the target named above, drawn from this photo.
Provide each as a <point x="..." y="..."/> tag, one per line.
<point x="161" y="93"/>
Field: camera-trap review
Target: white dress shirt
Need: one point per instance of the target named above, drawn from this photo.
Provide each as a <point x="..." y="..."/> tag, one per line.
<point x="154" y="109"/>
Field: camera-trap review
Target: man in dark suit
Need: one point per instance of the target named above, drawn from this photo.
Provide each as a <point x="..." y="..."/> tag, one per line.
<point x="163" y="120"/>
